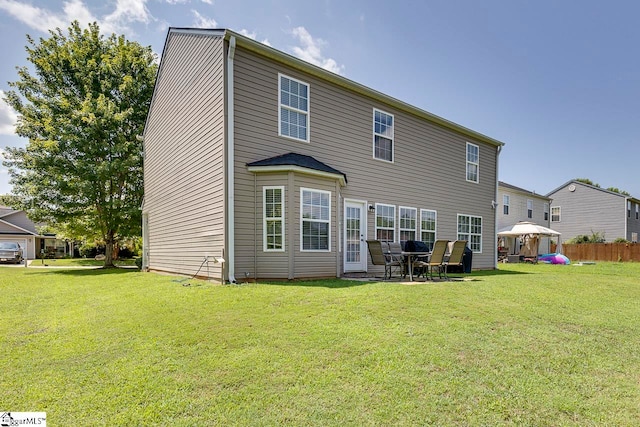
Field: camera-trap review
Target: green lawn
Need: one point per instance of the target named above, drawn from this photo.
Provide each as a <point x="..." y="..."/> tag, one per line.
<point x="526" y="345"/>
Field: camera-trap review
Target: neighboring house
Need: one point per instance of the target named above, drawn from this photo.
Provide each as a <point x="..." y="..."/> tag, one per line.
<point x="16" y="227"/>
<point x="582" y="209"/>
<point x="284" y="170"/>
<point x="518" y="204"/>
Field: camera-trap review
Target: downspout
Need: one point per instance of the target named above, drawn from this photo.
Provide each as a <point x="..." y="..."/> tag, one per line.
<point x="231" y="217"/>
<point x="495" y="209"/>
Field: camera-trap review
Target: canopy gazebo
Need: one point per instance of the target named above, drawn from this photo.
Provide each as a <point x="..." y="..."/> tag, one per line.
<point x="530" y="234"/>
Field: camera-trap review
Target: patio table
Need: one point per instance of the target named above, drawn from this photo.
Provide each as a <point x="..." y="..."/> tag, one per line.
<point x="411" y="258"/>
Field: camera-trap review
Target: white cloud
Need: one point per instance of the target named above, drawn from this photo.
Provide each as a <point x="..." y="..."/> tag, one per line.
<point x="207" y="1"/>
<point x="201" y="21"/>
<point x="8" y="117"/>
<point x="310" y="50"/>
<point x="125" y="13"/>
<point x="253" y="35"/>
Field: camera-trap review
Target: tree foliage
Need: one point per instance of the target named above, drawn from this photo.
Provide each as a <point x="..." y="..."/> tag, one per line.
<point x="617" y="190"/>
<point x="588" y="182"/>
<point x="82" y="105"/>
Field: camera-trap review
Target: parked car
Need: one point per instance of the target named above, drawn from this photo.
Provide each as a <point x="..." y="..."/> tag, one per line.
<point x="10" y="252"/>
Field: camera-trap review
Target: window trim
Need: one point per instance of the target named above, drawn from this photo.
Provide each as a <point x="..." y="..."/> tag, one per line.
<point x="545" y="209"/>
<point x="506" y="203"/>
<point x="264" y="217"/>
<point x="476" y="163"/>
<point x="302" y="220"/>
<point x="392" y="138"/>
<point x="378" y="205"/>
<point x="400" y="229"/>
<point x="470" y="233"/>
<point x="435" y="226"/>
<point x="637" y="211"/>
<point x="529" y="208"/>
<point x="281" y="105"/>
<point x="559" y="213"/>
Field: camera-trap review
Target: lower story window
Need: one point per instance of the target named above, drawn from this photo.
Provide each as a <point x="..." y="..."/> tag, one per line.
<point x="316" y="219"/>
<point x="428" y="227"/>
<point x="408" y="223"/>
<point x="273" y="218"/>
<point x="385" y="222"/>
<point x="470" y="229"/>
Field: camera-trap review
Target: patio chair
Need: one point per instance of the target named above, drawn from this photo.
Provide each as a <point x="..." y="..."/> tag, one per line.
<point x="381" y="256"/>
<point x="436" y="259"/>
<point x="456" y="253"/>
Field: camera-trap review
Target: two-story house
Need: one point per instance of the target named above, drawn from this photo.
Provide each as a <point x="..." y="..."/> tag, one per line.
<point x="284" y="170"/>
<point x="518" y="204"/>
<point x="583" y="209"/>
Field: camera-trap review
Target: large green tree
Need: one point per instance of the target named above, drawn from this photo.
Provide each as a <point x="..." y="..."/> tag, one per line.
<point x="82" y="104"/>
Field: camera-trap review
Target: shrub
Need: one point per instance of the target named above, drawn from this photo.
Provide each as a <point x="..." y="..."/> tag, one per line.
<point x="139" y="263"/>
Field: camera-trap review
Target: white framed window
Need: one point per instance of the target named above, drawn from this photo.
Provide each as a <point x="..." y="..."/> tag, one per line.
<point x="293" y="111"/>
<point x="473" y="162"/>
<point x="383" y="148"/>
<point x="546" y="211"/>
<point x="637" y="211"/>
<point x="555" y="214"/>
<point x="408" y="222"/>
<point x="315" y="221"/>
<point x="529" y="208"/>
<point x="385" y="222"/>
<point x="428" y="227"/>
<point x="505" y="204"/>
<point x="273" y="219"/>
<point x="628" y="208"/>
<point x="470" y="229"/>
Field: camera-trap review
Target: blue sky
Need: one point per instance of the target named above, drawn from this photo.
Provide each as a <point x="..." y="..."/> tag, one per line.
<point x="557" y="81"/>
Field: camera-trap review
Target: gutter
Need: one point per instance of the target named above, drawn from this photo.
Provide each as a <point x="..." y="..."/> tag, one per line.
<point x="231" y="215"/>
<point x="495" y="207"/>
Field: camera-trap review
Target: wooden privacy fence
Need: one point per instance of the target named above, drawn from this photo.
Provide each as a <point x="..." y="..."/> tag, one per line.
<point x="617" y="252"/>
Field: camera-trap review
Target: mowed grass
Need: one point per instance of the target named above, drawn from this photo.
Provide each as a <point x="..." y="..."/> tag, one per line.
<point x="525" y="345"/>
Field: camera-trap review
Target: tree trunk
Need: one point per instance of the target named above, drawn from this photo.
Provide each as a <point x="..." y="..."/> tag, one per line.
<point x="109" y="244"/>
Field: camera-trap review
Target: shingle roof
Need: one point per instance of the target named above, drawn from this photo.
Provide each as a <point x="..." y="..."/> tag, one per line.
<point x="300" y="160"/>
<point x="522" y="190"/>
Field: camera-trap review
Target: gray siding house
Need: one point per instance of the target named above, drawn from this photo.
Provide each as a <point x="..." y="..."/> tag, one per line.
<point x="518" y="204"/>
<point x="581" y="209"/>
<point x="284" y="170"/>
<point x="15" y="226"/>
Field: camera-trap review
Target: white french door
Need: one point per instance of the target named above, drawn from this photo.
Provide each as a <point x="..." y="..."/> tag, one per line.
<point x="355" y="228"/>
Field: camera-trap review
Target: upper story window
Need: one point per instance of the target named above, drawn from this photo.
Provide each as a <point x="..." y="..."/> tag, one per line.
<point x="529" y="208"/>
<point x="428" y="227"/>
<point x="385" y="222"/>
<point x="546" y="211"/>
<point x="294" y="108"/>
<point x="470" y="229"/>
<point x="555" y="214"/>
<point x="637" y="213"/>
<point x="473" y="162"/>
<point x="316" y="220"/>
<point x="273" y="220"/>
<point x="382" y="135"/>
<point x="628" y="208"/>
<point x="408" y="223"/>
<point x="505" y="204"/>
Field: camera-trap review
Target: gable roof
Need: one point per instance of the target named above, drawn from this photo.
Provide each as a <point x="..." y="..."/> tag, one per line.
<point x="279" y="56"/>
<point x="522" y="190"/>
<point x="604" y="190"/>
<point x="299" y="162"/>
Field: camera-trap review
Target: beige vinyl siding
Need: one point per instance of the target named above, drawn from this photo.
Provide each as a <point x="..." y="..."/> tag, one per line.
<point x="428" y="172"/>
<point x="184" y="156"/>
